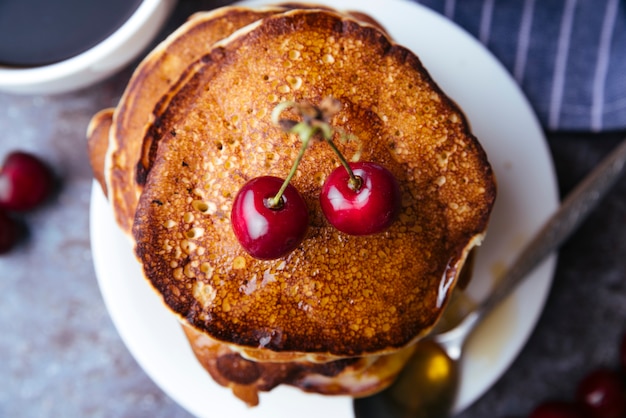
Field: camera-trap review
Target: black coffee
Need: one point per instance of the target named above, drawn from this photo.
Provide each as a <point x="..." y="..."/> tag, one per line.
<point x="40" y="32"/>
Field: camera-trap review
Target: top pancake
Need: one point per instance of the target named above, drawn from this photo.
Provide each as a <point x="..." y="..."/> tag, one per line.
<point x="335" y="294"/>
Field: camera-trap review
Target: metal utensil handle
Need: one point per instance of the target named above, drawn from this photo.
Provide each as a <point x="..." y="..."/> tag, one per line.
<point x="574" y="209"/>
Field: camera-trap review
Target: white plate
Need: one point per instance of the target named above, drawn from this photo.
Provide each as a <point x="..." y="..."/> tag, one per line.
<point x="504" y="122"/>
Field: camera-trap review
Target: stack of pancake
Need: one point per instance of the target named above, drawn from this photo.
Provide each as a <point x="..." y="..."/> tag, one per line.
<point x="340" y="314"/>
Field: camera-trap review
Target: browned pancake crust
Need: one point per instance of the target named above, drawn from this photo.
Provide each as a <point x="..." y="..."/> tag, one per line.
<point x="159" y="71"/>
<point x="98" y="143"/>
<point x="335" y="294"/>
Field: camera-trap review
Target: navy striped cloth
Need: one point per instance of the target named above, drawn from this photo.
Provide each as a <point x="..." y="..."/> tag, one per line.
<point x="568" y="56"/>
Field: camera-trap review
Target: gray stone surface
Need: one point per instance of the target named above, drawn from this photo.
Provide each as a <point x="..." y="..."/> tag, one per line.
<point x="60" y="355"/>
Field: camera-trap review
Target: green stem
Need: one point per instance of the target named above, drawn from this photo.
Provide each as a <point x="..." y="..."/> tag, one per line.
<point x="355" y="182"/>
<point x="306" y="133"/>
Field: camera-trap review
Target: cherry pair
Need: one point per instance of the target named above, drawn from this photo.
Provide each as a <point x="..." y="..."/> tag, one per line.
<point x="269" y="216"/>
<point x="268" y="229"/>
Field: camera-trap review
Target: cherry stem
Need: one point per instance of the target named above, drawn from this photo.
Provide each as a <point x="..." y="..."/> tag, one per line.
<point x="305" y="132"/>
<point x="355" y="182"/>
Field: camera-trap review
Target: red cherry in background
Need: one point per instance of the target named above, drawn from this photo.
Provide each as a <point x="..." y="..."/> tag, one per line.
<point x="366" y="209"/>
<point x="267" y="232"/>
<point x="9" y="232"/>
<point x="602" y="394"/>
<point x="25" y="182"/>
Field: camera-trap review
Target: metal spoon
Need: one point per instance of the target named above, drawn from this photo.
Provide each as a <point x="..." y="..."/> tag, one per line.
<point x="428" y="385"/>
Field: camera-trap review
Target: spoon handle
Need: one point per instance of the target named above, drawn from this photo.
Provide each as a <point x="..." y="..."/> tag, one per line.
<point x="574" y="209"/>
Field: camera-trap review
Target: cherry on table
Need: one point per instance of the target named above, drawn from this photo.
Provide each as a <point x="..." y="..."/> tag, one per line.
<point x="265" y="231"/>
<point x="602" y="394"/>
<point x="25" y="181"/>
<point x="368" y="207"/>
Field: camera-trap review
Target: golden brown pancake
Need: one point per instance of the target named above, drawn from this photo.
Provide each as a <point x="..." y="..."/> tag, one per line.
<point x="317" y="372"/>
<point x="336" y="296"/>
<point x="356" y="377"/>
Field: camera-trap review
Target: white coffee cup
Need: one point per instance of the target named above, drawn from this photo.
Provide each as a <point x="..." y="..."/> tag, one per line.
<point x="96" y="63"/>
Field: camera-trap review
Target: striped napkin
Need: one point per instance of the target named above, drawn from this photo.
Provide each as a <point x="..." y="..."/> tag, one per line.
<point x="568" y="56"/>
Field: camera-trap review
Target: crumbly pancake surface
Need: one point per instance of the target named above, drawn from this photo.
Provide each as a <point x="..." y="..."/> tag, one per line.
<point x="335" y="294"/>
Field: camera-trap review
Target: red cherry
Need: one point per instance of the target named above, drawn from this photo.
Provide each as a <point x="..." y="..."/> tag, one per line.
<point x="263" y="231"/>
<point x="368" y="209"/>
<point x="556" y="409"/>
<point x="601" y="392"/>
<point x="25" y="182"/>
<point x="9" y="232"/>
